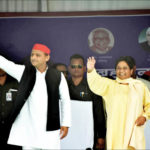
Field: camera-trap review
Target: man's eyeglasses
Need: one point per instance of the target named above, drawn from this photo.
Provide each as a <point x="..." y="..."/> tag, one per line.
<point x="148" y="34"/>
<point x="76" y="66"/>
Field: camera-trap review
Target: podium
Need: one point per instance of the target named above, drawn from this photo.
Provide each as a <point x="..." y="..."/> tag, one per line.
<point x="81" y="134"/>
<point x="147" y="134"/>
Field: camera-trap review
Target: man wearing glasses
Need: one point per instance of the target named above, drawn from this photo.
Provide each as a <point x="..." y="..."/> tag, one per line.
<point x="8" y="91"/>
<point x="79" y="90"/>
<point x="146" y="44"/>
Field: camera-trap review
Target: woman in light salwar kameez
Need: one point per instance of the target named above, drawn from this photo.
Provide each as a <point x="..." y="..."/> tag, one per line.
<point x="127" y="103"/>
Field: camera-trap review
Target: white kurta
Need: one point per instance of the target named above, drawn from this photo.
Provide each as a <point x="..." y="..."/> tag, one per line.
<point x="29" y="128"/>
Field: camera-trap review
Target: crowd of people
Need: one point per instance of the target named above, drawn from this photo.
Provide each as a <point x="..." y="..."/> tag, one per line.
<point x="30" y="94"/>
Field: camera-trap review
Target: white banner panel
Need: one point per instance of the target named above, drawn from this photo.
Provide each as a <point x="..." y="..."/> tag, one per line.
<point x="80" y="134"/>
<point x="147" y="134"/>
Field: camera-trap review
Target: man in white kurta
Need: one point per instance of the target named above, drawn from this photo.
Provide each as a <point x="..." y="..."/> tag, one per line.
<point x="29" y="128"/>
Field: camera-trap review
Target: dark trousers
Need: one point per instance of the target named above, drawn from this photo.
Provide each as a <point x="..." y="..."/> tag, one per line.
<point x="4" y="134"/>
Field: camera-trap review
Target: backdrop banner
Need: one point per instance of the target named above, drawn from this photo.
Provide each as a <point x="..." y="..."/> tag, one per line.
<point x="104" y="37"/>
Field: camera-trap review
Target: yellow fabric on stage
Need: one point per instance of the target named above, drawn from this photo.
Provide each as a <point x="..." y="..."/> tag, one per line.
<point x="124" y="103"/>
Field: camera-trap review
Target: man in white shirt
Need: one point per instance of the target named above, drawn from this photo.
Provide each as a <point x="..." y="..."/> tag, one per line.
<point x="36" y="112"/>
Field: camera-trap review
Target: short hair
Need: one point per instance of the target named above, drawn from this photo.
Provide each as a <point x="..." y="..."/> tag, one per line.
<point x="128" y="59"/>
<point x="77" y="56"/>
<point x="132" y="59"/>
<point x="59" y="64"/>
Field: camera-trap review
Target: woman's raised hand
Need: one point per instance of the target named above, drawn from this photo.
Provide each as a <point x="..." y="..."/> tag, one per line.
<point x="90" y="64"/>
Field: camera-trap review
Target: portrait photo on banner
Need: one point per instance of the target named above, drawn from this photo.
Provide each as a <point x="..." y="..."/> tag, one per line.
<point x="144" y="39"/>
<point x="101" y="40"/>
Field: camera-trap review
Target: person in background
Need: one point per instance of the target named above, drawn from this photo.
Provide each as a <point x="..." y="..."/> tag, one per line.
<point x="62" y="68"/>
<point x="144" y="78"/>
<point x="36" y="110"/>
<point x="127" y="104"/>
<point x="8" y="92"/>
<point x="79" y="90"/>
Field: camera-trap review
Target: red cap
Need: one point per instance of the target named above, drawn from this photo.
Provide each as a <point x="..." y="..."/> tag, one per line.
<point x="41" y="47"/>
<point x="147" y="73"/>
